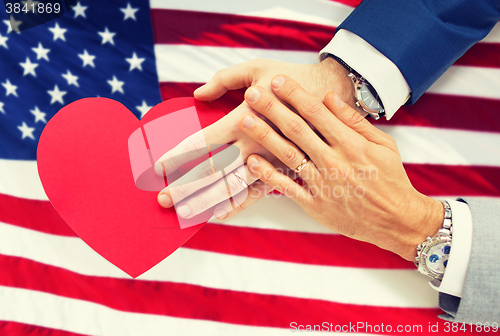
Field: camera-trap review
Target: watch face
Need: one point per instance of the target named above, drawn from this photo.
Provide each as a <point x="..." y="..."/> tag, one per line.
<point x="437" y="257"/>
<point x="369" y="97"/>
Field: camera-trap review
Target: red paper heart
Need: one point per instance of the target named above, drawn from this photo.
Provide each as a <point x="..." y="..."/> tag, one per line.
<point x="84" y="166"/>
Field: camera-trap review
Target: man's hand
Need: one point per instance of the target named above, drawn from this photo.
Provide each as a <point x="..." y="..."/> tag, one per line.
<point x="356" y="183"/>
<point x="317" y="79"/>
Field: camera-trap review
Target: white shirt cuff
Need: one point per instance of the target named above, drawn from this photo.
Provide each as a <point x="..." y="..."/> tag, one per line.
<point x="461" y="246"/>
<point x="380" y="71"/>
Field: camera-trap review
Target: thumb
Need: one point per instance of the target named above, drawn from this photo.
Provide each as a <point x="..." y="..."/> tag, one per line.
<point x="353" y="119"/>
<point x="232" y="78"/>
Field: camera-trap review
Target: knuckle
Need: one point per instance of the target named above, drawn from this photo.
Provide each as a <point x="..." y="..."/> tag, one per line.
<point x="196" y="143"/>
<point x="267" y="107"/>
<point x="295" y="127"/>
<point x="264" y="135"/>
<point x="238" y="203"/>
<point x="206" y="170"/>
<point x="199" y="204"/>
<point x="240" y="206"/>
<point x="255" y="64"/>
<point x="291" y="94"/>
<point x="284" y="189"/>
<point x="267" y="175"/>
<point x="290" y="156"/>
<point x="178" y="193"/>
<point x="170" y="161"/>
<point x="233" y="185"/>
<point x="329" y="160"/>
<point x="355" y="118"/>
<point x="312" y="108"/>
<point x="391" y="139"/>
<point x="344" y="140"/>
<point x="219" y="74"/>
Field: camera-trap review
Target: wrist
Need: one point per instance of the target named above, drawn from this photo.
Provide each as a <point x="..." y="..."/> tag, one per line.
<point x="423" y="218"/>
<point x="332" y="76"/>
<point x="335" y="76"/>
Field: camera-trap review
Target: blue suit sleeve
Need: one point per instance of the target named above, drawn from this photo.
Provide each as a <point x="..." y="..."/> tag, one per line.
<point x="423" y="37"/>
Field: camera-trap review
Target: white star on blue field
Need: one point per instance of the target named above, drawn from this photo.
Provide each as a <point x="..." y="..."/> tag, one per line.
<point x="98" y="49"/>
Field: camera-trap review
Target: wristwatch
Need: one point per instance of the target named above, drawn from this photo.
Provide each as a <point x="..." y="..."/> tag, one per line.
<point x="366" y="96"/>
<point x="433" y="253"/>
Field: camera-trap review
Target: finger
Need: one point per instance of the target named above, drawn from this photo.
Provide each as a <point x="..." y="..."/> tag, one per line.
<point x="241" y="201"/>
<point x="286" y="151"/>
<point x="232" y="184"/>
<point x="268" y="174"/>
<point x="290" y="124"/>
<point x="193" y="147"/>
<point x="310" y="108"/>
<point x="351" y="118"/>
<point x="256" y="191"/>
<point x="235" y="77"/>
<point x="204" y="174"/>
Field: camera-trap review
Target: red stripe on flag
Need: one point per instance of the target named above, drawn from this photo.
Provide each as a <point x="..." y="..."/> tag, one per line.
<point x="482" y="54"/>
<point x="171" y="90"/>
<point x="35" y="215"/>
<point x="240" y="31"/>
<point x="442" y="180"/>
<point x="296" y="247"/>
<point x="351" y="3"/>
<point x="228" y="30"/>
<point x="10" y="328"/>
<point x="226" y="103"/>
<point x="197" y="302"/>
<point x="469" y="113"/>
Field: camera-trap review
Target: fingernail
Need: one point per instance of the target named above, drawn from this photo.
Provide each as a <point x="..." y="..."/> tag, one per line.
<point x="159" y="169"/>
<point x="336" y="99"/>
<point x="248" y="121"/>
<point x="252" y="94"/>
<point x="220" y="213"/>
<point x="165" y="201"/>
<point x="277" y="81"/>
<point x="198" y="90"/>
<point x="183" y="211"/>
<point x="253" y="163"/>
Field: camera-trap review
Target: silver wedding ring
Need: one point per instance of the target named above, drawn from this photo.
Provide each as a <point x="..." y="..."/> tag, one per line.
<point x="240" y="179"/>
<point x="302" y="165"/>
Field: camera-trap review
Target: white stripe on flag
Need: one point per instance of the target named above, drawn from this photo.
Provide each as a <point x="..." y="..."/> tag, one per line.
<point x="88" y="318"/>
<point x="494" y="35"/>
<point x="377" y="287"/>
<point x="20" y="179"/>
<point x="469" y="81"/>
<point x="445" y="146"/>
<point x="205" y="61"/>
<point x="263" y="215"/>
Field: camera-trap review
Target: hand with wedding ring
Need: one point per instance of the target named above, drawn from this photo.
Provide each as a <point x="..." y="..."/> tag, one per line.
<point x="206" y="187"/>
<point x="355" y="182"/>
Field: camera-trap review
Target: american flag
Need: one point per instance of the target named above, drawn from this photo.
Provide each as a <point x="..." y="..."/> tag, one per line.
<point x="263" y="270"/>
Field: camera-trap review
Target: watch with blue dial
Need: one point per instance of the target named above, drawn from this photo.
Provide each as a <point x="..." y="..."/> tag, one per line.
<point x="433" y="253"/>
